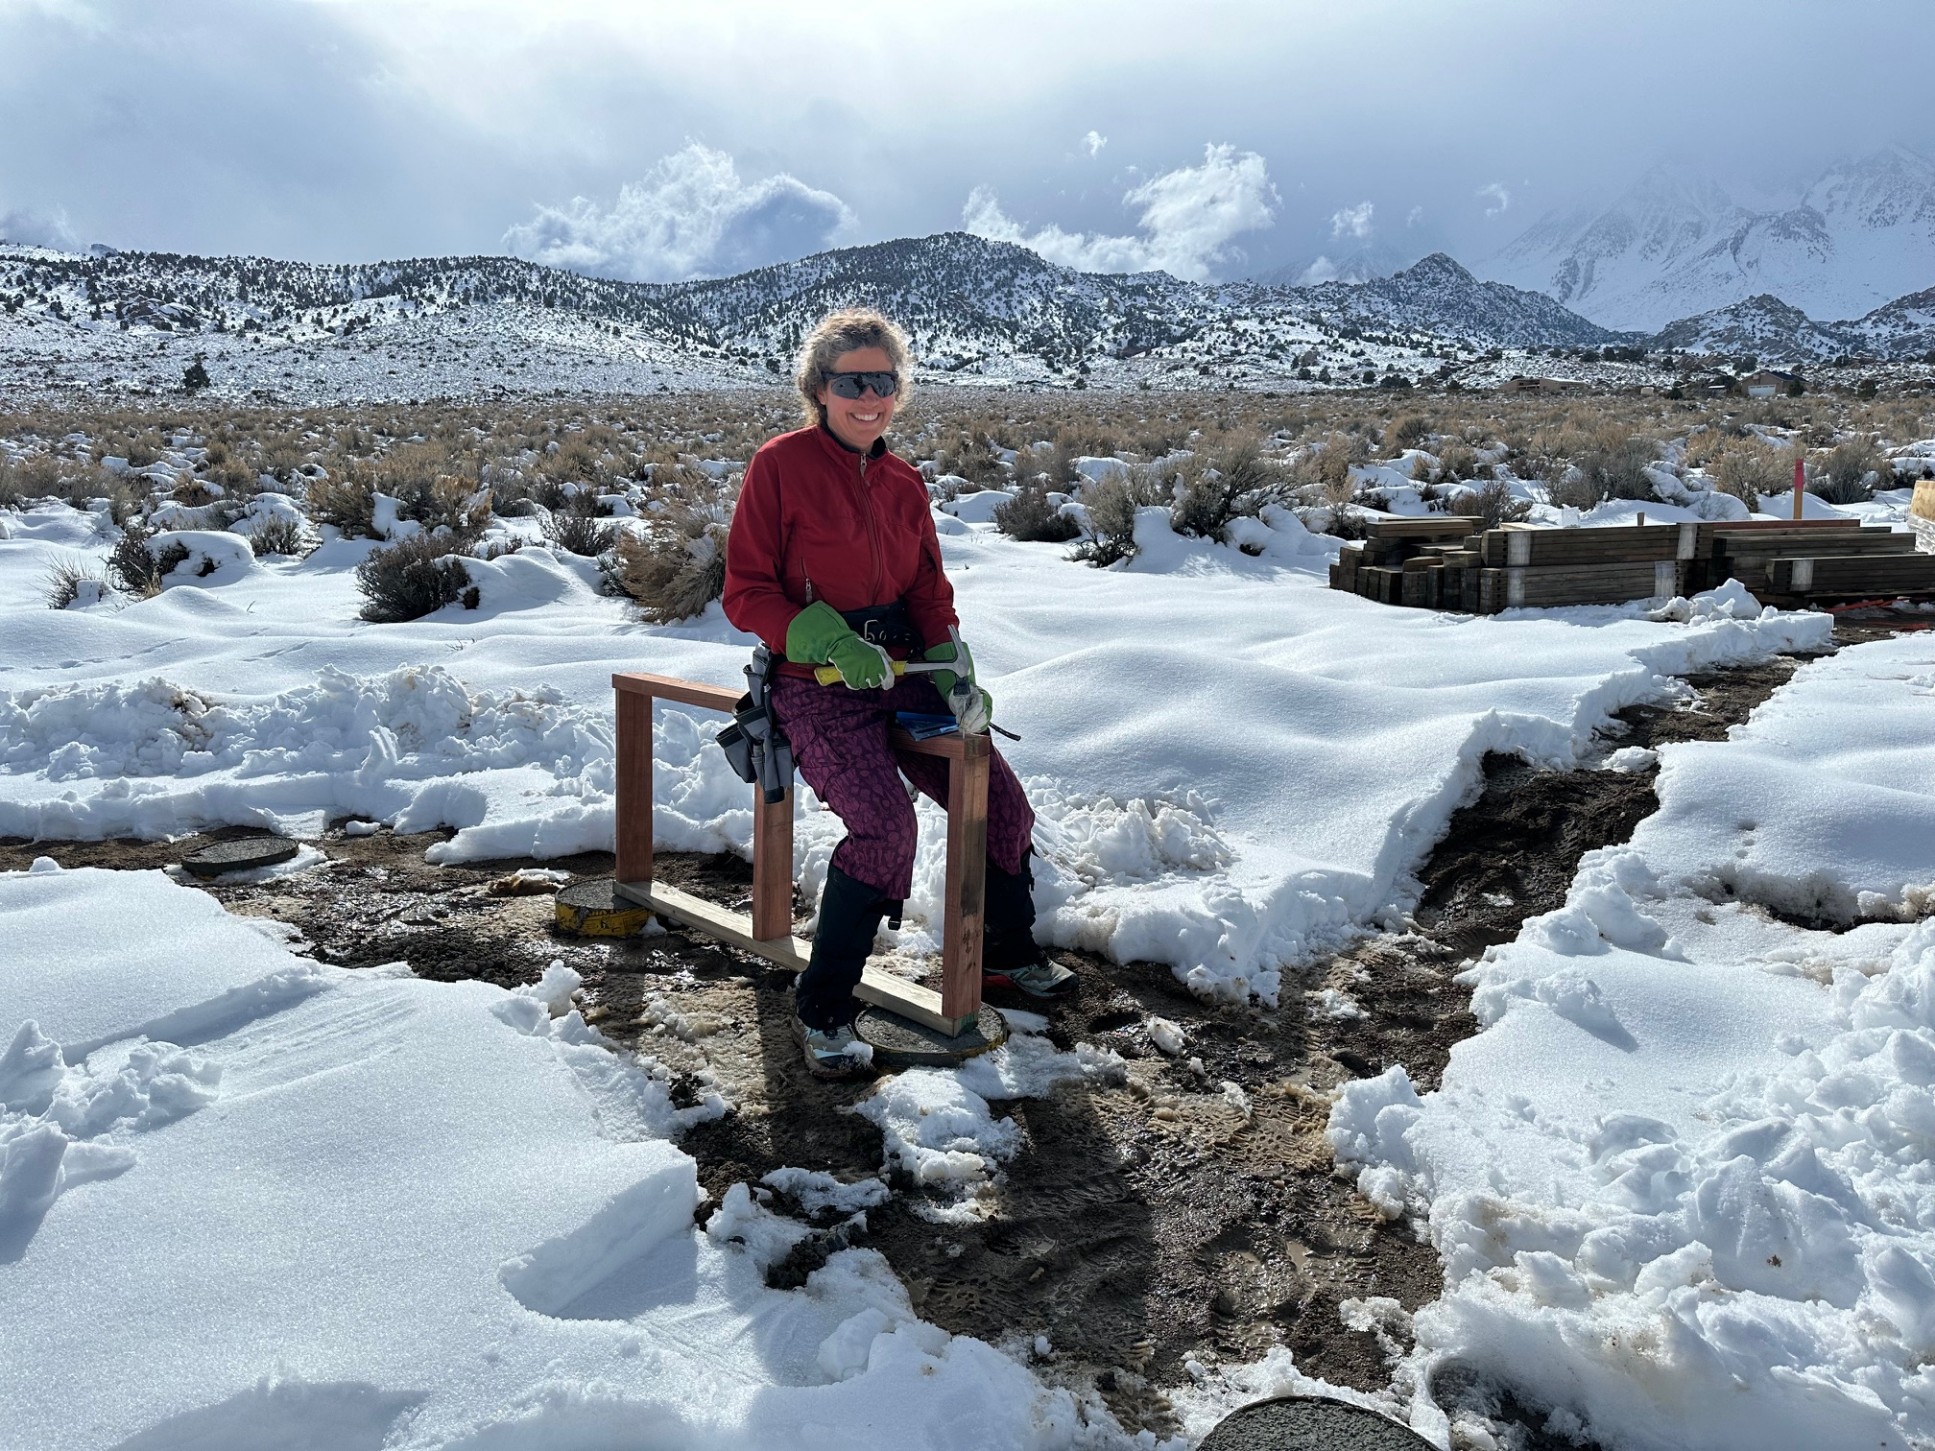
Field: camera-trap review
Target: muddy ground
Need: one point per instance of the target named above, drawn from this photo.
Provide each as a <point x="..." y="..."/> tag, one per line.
<point x="1142" y="1225"/>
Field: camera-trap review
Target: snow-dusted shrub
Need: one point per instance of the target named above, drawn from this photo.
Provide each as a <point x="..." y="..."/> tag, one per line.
<point x="1051" y="463"/>
<point x="973" y="455"/>
<point x="1233" y="483"/>
<point x="1032" y="515"/>
<point x="675" y="564"/>
<point x="1611" y="466"/>
<point x="348" y="502"/>
<point x="1111" y="504"/>
<point x="1847" y="474"/>
<point x="136" y="568"/>
<point x="1747" y="468"/>
<point x="1493" y="504"/>
<point x="280" y="536"/>
<point x="578" y="527"/>
<point x="1407" y="430"/>
<point x="412" y="578"/>
<point x="1457" y="460"/>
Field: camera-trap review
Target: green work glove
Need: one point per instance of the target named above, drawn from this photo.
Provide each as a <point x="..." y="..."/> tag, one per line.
<point x="973" y="707"/>
<point x="818" y="636"/>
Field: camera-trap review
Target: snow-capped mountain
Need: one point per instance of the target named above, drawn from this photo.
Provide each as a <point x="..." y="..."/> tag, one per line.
<point x="975" y="309"/>
<point x="1675" y="245"/>
<point x="1763" y="326"/>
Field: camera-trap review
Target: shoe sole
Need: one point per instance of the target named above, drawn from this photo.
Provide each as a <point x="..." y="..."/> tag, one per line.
<point x="821" y="1070"/>
<point x="1002" y="980"/>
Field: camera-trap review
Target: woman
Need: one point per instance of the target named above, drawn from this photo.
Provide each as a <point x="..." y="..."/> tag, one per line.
<point x="833" y="560"/>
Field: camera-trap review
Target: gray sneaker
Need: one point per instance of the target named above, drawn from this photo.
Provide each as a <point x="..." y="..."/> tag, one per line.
<point x="833" y="1053"/>
<point x="1038" y="979"/>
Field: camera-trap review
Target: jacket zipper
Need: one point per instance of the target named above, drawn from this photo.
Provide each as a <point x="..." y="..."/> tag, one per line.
<point x="873" y="532"/>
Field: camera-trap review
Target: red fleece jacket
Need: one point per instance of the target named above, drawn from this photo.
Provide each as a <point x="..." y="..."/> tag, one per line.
<point x="817" y="521"/>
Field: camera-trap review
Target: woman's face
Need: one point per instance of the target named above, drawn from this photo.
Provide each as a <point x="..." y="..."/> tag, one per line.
<point x="858" y="422"/>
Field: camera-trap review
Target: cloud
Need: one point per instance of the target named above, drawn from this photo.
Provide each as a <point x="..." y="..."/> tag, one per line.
<point x="30" y="228"/>
<point x="1189" y="217"/>
<point x="1094" y="142"/>
<point x="1322" y="270"/>
<point x="1415" y="216"/>
<point x="1352" y="221"/>
<point x="690" y="216"/>
<point x="1501" y="199"/>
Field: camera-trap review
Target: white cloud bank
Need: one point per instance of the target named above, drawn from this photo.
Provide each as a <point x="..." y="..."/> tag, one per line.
<point x="1189" y="218"/>
<point x="30" y="228"/>
<point x="1353" y="221"/>
<point x="690" y="216"/>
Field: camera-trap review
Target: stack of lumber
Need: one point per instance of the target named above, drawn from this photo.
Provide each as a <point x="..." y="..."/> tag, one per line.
<point x="1801" y="561"/>
<point x="1428" y="562"/>
<point x="1526" y="566"/>
<point x="1921" y="516"/>
<point x="1444" y="561"/>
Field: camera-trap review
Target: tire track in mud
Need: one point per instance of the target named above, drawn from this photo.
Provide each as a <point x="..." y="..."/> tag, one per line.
<point x="1142" y="1225"/>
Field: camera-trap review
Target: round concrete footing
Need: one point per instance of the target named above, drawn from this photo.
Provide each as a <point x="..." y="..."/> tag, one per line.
<point x="900" y="1043"/>
<point x="1310" y="1423"/>
<point x="243" y="855"/>
<point x="594" y="909"/>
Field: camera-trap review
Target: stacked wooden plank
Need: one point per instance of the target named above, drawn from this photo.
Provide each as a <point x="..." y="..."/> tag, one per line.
<point x="1527" y="566"/>
<point x="1420" y="562"/>
<point x="1921" y="516"/>
<point x="1444" y="561"/>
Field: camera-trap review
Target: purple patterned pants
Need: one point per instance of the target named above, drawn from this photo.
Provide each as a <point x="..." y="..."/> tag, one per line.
<point x="840" y="744"/>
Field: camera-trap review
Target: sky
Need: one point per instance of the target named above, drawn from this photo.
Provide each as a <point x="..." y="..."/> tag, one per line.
<point x="1214" y="139"/>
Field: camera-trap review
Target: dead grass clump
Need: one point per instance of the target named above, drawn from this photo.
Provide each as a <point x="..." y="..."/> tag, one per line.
<point x="73" y="581"/>
<point x="413" y="578"/>
<point x="675" y="564"/>
<point x="1032" y="516"/>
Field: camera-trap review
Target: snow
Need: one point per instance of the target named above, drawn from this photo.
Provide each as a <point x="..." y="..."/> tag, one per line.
<point x="297" y="1168"/>
<point x="1680" y="1182"/>
<point x="383" y="1211"/>
<point x="1185" y="721"/>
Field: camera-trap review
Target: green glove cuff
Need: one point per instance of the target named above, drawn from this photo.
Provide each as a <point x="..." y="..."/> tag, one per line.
<point x="815" y="631"/>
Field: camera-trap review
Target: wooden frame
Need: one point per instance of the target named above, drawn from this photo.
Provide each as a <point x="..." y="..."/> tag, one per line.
<point x="768" y="930"/>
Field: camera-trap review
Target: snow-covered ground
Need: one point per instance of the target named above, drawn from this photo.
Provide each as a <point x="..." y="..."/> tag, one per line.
<point x="1233" y="764"/>
<point x="1681" y="1181"/>
<point x="424" y="1215"/>
<point x="248" y="1200"/>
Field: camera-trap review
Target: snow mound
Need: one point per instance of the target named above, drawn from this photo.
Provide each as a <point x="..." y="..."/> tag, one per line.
<point x="1681" y="1182"/>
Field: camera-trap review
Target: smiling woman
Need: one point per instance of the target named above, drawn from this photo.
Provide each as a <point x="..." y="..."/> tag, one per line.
<point x="833" y="562"/>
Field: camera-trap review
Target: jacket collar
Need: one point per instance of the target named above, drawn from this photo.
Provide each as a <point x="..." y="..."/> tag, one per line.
<point x="833" y="440"/>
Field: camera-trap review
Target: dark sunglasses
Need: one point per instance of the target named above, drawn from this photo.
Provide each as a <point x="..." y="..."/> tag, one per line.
<point x="852" y="385"/>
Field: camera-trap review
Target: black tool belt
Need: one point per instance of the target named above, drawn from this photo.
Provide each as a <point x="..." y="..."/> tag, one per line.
<point x="756" y="748"/>
<point x="886" y="626"/>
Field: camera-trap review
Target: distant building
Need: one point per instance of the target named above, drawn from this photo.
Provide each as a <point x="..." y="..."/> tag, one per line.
<point x="1768" y="383"/>
<point x="1523" y="384"/>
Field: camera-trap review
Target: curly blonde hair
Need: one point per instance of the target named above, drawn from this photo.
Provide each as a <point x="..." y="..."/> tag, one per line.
<point x="846" y="331"/>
